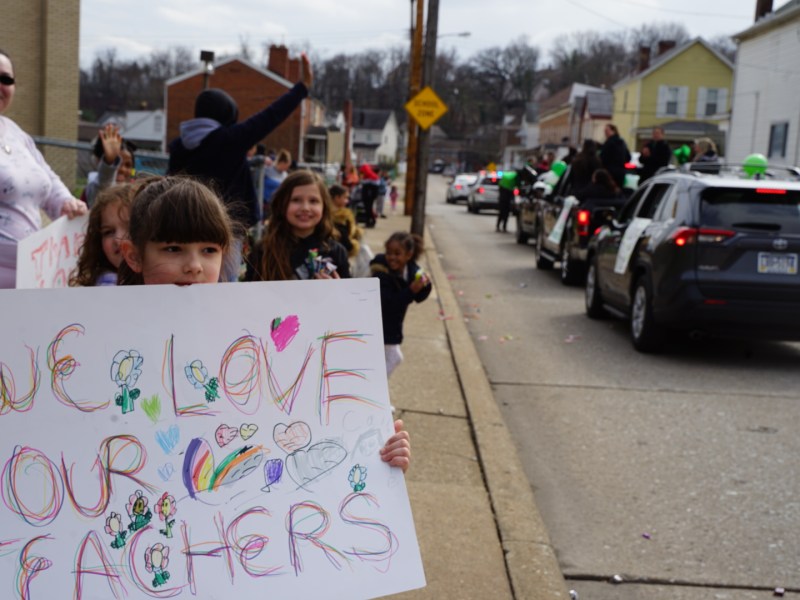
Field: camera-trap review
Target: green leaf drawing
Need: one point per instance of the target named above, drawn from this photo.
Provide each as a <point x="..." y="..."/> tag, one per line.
<point x="151" y="407"/>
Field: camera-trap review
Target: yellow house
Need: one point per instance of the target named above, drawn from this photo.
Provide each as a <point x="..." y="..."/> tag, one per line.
<point x="685" y="89"/>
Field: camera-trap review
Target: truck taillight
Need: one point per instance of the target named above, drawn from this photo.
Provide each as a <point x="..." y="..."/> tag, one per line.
<point x="480" y="190"/>
<point x="516" y="191"/>
<point x="583" y="217"/>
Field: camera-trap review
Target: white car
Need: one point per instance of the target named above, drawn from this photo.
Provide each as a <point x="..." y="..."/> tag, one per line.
<point x="460" y="186"/>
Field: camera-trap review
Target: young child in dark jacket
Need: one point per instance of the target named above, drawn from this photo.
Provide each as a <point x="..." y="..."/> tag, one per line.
<point x="402" y="282"/>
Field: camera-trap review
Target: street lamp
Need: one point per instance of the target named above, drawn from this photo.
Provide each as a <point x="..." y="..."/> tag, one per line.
<point x="460" y="34"/>
<point x="207" y="58"/>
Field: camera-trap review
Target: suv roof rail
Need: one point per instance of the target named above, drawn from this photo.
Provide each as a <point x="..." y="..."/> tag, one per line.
<point x="741" y="171"/>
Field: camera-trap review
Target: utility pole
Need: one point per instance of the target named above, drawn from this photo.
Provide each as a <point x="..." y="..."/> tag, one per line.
<point x="415" y="85"/>
<point x="431" y="33"/>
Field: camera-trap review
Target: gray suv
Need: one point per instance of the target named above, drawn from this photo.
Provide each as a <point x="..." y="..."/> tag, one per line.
<point x="699" y="250"/>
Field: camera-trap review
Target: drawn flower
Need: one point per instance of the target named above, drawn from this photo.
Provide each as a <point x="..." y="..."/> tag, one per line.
<point x="125" y="371"/>
<point x="114" y="527"/>
<point x="197" y="375"/>
<point x="358" y="478"/>
<point x="166" y="507"/>
<point x="156" y="559"/>
<point x="137" y="510"/>
<point x="126" y="368"/>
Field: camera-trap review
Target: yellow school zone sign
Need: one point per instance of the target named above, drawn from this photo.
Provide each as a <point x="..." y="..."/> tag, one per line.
<point x="426" y="107"/>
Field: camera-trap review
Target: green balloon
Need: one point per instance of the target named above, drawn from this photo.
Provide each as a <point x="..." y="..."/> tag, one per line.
<point x="682" y="154"/>
<point x="558" y="167"/>
<point x="755" y="164"/>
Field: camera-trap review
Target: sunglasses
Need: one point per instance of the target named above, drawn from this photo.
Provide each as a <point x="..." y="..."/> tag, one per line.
<point x="6" y="79"/>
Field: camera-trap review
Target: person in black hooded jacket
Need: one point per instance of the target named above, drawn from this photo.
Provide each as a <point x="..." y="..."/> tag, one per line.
<point x="614" y="154"/>
<point x="213" y="146"/>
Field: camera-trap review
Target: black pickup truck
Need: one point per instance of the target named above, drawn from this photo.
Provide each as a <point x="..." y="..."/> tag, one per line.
<point x="561" y="226"/>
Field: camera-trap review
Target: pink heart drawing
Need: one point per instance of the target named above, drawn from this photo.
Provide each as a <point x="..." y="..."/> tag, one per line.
<point x="283" y="331"/>
<point x="292" y="437"/>
<point x="225" y="435"/>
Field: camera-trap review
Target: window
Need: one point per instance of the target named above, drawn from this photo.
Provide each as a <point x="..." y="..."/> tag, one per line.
<point x="711" y="102"/>
<point x="712" y="96"/>
<point x="651" y="204"/>
<point x="672" y="100"/>
<point x="778" y="133"/>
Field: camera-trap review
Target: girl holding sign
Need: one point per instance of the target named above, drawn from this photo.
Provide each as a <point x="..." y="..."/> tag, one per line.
<point x="108" y="226"/>
<point x="179" y="234"/>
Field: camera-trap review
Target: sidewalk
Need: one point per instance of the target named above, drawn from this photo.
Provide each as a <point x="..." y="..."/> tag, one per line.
<point x="478" y="527"/>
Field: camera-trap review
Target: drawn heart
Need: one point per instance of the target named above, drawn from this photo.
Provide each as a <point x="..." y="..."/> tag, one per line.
<point x="283" y="331"/>
<point x="166" y="471"/>
<point x="292" y="437"/>
<point x="168" y="439"/>
<point x="225" y="435"/>
<point x="305" y="466"/>
<point x="247" y="430"/>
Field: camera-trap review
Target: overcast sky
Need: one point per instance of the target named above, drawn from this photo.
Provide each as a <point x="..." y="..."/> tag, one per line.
<point x="349" y="26"/>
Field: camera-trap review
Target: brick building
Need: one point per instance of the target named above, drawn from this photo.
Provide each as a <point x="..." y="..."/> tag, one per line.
<point x="42" y="38"/>
<point x="253" y="88"/>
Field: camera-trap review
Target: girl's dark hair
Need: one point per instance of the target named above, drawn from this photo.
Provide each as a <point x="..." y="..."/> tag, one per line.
<point x="604" y="178"/>
<point x="93" y="261"/>
<point x="337" y="190"/>
<point x="411" y="242"/>
<point x="279" y="239"/>
<point x="175" y="209"/>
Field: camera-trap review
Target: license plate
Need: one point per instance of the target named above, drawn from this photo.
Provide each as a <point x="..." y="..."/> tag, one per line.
<point x="777" y="264"/>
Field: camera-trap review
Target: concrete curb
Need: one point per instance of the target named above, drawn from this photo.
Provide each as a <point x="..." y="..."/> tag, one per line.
<point x="531" y="563"/>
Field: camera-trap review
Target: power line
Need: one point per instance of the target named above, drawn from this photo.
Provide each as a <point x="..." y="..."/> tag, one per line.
<point x="597" y="14"/>
<point x="684" y="12"/>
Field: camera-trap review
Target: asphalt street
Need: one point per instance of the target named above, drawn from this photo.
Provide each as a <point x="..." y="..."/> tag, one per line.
<point x="673" y="472"/>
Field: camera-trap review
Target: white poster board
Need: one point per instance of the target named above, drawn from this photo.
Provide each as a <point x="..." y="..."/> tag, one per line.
<point x="628" y="243"/>
<point x="213" y="441"/>
<point x="558" y="229"/>
<point x="46" y="258"/>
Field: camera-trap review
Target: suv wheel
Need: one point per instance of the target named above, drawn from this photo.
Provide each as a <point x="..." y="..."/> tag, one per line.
<point x="646" y="334"/>
<point x="522" y="237"/>
<point x="594" y="301"/>
<point x="571" y="272"/>
<point x="542" y="262"/>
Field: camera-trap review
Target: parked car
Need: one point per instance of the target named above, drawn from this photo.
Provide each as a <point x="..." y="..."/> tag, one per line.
<point x="437" y="166"/>
<point x="485" y="193"/>
<point x="696" y="251"/>
<point x="460" y="186"/>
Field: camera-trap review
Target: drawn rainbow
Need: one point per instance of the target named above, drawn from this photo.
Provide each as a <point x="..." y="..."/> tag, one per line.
<point x="201" y="475"/>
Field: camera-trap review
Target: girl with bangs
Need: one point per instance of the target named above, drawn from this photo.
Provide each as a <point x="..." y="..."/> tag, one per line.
<point x="179" y="233"/>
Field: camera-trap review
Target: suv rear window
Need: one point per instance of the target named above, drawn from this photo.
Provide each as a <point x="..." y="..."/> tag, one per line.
<point x="490" y="180"/>
<point x="751" y="209"/>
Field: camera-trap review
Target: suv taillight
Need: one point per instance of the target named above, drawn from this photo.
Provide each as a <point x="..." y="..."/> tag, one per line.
<point x="583" y="217"/>
<point x="481" y="190"/>
<point x="703" y="235"/>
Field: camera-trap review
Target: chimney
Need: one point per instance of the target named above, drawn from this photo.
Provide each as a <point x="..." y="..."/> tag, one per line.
<point x="763" y="8"/>
<point x="279" y="60"/>
<point x="664" y="46"/>
<point x="294" y="70"/>
<point x="644" y="58"/>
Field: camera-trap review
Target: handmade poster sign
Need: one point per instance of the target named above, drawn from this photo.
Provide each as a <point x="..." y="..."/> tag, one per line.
<point x="212" y="441"/>
<point x="46" y="258"/>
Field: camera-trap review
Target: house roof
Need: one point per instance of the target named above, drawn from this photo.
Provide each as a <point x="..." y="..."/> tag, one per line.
<point x="786" y="13"/>
<point x="199" y="71"/>
<point x="664" y="58"/>
<point x="688" y="127"/>
<point x="370" y="118"/>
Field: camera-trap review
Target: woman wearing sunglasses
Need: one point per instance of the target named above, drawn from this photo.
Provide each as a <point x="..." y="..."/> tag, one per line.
<point x="27" y="183"/>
